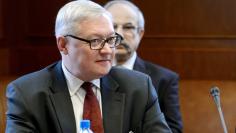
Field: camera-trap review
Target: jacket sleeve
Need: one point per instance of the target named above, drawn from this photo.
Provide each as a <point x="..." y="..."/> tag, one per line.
<point x="154" y="120"/>
<point x="17" y="115"/>
<point x="171" y="105"/>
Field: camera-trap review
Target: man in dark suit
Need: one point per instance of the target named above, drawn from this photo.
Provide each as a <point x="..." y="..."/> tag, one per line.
<point x="129" y="22"/>
<point x="55" y="99"/>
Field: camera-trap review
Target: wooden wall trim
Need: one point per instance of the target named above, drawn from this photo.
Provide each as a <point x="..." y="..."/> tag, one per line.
<point x="191" y="36"/>
<point x="197" y="39"/>
<point x="193" y="58"/>
<point x="189" y="17"/>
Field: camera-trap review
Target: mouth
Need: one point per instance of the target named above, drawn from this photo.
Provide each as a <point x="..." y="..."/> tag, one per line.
<point x="104" y="61"/>
<point x="123" y="48"/>
<point x="120" y="47"/>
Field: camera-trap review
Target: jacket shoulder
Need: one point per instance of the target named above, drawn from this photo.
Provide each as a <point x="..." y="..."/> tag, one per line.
<point x="123" y="73"/>
<point x="154" y="68"/>
<point x="37" y="78"/>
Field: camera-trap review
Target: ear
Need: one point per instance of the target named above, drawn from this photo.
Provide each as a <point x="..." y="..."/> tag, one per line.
<point x="141" y="33"/>
<point x="62" y="45"/>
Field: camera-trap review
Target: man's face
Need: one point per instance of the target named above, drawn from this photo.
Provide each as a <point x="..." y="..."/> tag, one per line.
<point x="125" y="21"/>
<point x="83" y="62"/>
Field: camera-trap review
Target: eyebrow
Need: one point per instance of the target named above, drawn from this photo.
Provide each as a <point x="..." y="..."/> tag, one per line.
<point x="129" y="23"/>
<point x="102" y="36"/>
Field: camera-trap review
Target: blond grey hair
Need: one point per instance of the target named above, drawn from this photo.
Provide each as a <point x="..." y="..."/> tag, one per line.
<point x="73" y="13"/>
<point x="141" y="21"/>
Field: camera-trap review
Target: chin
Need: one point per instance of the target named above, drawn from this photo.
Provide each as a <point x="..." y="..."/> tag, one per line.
<point x="122" y="57"/>
<point x="103" y="72"/>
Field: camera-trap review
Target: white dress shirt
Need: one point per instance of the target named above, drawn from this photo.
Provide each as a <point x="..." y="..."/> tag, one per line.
<point x="77" y="94"/>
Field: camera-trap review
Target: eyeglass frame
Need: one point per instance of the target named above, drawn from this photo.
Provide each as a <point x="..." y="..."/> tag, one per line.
<point x="102" y="44"/>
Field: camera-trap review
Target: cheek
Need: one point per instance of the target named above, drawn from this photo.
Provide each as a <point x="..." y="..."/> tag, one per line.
<point x="133" y="41"/>
<point x="136" y="39"/>
<point x="82" y="60"/>
<point x="86" y="56"/>
<point x="113" y="53"/>
<point x="76" y="54"/>
<point x="73" y="52"/>
<point x="131" y="38"/>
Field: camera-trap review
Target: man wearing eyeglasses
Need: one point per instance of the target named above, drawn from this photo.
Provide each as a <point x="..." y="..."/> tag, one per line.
<point x="84" y="85"/>
<point x="128" y="21"/>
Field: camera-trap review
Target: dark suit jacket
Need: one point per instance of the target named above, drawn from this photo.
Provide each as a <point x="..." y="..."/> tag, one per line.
<point x="40" y="103"/>
<point x="166" y="84"/>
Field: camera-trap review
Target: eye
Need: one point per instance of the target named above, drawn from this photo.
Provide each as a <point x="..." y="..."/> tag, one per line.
<point x="115" y="26"/>
<point x="111" y="40"/>
<point x="95" y="42"/>
<point x="128" y="27"/>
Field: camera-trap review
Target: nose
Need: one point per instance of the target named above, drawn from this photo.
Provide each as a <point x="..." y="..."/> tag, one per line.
<point x="106" y="49"/>
<point x="119" y="30"/>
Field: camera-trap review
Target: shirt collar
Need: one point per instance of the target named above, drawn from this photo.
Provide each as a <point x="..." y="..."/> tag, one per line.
<point x="74" y="83"/>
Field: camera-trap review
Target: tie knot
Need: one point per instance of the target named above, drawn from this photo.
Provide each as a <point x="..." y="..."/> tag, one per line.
<point x="87" y="86"/>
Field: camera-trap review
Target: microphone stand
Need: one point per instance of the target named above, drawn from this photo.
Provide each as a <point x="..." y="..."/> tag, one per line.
<point x="215" y="92"/>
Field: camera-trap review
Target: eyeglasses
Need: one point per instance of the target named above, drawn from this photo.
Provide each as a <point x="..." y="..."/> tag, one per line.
<point x="98" y="44"/>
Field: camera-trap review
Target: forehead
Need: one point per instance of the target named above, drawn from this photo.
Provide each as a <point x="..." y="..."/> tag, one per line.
<point x="123" y="14"/>
<point x="96" y="26"/>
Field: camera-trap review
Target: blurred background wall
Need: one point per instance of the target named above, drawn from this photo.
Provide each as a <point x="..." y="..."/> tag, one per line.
<point x="195" y="38"/>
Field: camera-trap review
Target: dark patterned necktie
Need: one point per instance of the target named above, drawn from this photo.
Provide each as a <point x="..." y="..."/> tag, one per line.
<point x="92" y="109"/>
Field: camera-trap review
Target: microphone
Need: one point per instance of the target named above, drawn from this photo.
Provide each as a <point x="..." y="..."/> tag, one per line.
<point x="215" y="92"/>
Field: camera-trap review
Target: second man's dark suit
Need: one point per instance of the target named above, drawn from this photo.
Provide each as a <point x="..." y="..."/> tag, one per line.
<point x="166" y="84"/>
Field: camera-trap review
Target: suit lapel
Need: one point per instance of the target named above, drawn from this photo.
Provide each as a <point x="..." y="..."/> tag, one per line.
<point x="112" y="105"/>
<point x="139" y="65"/>
<point x="61" y="101"/>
